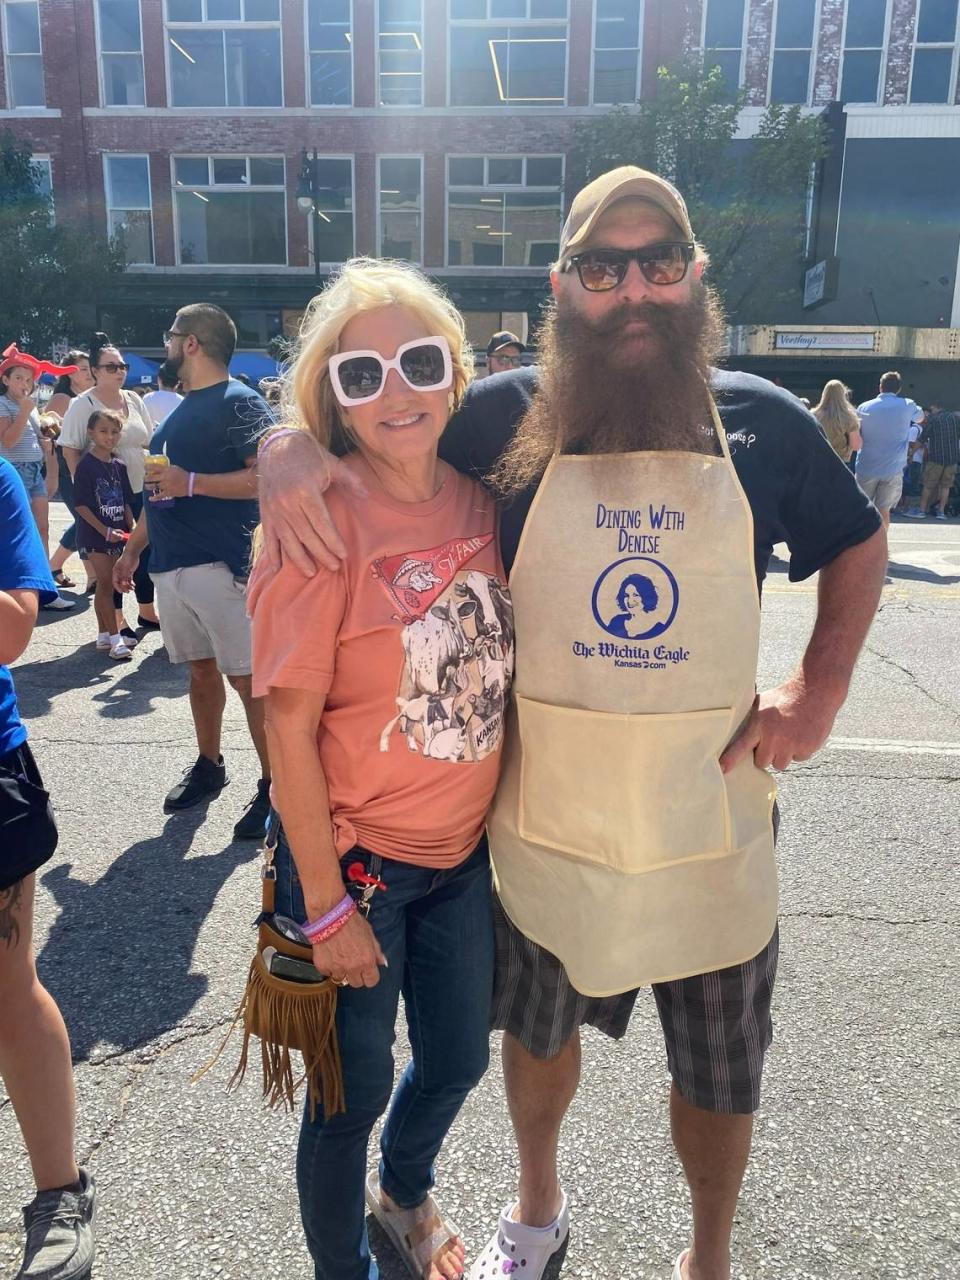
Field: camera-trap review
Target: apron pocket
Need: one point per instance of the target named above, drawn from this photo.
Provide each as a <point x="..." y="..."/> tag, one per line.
<point x="629" y="792"/>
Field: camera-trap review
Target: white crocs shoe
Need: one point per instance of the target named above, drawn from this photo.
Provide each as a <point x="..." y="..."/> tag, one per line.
<point x="519" y="1251"/>
<point x="677" y="1272"/>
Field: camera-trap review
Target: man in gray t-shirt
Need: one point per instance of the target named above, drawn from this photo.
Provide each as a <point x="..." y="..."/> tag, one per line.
<point x="888" y="425"/>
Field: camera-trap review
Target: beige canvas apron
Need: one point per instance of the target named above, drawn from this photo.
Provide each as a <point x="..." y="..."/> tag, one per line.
<point x="617" y="842"/>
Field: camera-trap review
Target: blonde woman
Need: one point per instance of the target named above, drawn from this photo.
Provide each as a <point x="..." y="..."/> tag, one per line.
<point x="385" y="684"/>
<point x="838" y="419"/>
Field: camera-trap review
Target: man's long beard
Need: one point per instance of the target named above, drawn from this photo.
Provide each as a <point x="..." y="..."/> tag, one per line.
<point x="593" y="400"/>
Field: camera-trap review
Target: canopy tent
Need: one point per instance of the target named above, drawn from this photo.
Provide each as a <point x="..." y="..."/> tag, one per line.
<point x="141" y="371"/>
<point x="254" y="364"/>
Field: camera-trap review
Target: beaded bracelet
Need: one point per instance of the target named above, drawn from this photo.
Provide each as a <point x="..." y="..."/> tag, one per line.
<point x="341" y="912"/>
<point x="331" y="929"/>
<point x="277" y="434"/>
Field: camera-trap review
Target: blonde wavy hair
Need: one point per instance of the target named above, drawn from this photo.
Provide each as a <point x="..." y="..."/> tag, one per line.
<point x="837" y="416"/>
<point x="307" y="399"/>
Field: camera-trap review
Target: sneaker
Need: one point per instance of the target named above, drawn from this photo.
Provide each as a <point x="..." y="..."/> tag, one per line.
<point x="941" y="515"/>
<point x="147" y="624"/>
<point x="60" y="1234"/>
<point x="201" y="781"/>
<point x="254" y="821"/>
<point x="59" y="603"/>
<point x="915" y="514"/>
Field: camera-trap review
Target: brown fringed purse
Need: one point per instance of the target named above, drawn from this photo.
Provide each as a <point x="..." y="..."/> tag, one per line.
<point x="287" y="1016"/>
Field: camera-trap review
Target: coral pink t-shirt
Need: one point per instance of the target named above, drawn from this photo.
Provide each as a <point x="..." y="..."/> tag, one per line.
<point x="411" y="640"/>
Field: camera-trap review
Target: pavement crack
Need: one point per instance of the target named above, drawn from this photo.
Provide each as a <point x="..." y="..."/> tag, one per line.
<point x="914" y="680"/>
<point x="850" y="915"/>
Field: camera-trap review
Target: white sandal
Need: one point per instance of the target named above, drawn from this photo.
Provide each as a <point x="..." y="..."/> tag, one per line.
<point x="677" y="1272"/>
<point x="418" y="1235"/>
<point x="519" y="1251"/>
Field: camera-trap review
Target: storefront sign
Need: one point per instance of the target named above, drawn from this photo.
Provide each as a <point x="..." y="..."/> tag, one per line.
<point x="825" y="341"/>
<point x="820" y="283"/>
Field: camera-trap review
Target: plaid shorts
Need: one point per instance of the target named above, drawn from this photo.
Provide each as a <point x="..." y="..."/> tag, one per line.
<point x="717" y="1026"/>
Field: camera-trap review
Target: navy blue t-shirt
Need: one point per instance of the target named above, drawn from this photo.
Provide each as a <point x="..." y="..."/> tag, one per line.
<point x="212" y="431"/>
<point x="23" y="567"/>
<point x="798" y="489"/>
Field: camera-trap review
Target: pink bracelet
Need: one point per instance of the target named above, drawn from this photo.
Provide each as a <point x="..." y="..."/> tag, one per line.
<point x="191" y="481"/>
<point x="341" y="912"/>
<point x="331" y="929"/>
<point x="267" y="441"/>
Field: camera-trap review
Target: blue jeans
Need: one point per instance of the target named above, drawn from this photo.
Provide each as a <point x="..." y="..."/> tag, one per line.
<point x="436" y="930"/>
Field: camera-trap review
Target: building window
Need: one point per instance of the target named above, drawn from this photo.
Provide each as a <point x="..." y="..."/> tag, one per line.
<point x="401" y="204"/>
<point x="723" y="41"/>
<point x="616" y="50"/>
<point x="863" y="41"/>
<point x="21" y="40"/>
<point x="793" y="51"/>
<point x="400" y="44"/>
<point x="121" y="53"/>
<point x="504" y="211"/>
<point x="934" y="52"/>
<point x="129" y="207"/>
<point x="231" y="210"/>
<point x="330" y="36"/>
<point x="333" y="227"/>
<point x="224" y="53"/>
<point x="498" y="64"/>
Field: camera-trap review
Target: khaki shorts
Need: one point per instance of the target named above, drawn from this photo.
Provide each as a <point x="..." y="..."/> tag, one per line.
<point x="938" y="475"/>
<point x="883" y="492"/>
<point x="203" y="614"/>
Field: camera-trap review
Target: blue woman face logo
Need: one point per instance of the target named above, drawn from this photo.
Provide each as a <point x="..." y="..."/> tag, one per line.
<point x="635" y="598"/>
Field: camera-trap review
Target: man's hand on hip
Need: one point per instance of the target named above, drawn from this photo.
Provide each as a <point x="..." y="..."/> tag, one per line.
<point x="785" y="724"/>
<point x="294" y="472"/>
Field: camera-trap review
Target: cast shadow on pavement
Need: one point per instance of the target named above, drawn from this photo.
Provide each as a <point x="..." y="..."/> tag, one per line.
<point x="915" y="573"/>
<point x="145" y="680"/>
<point x="118" y="958"/>
<point x="38" y="683"/>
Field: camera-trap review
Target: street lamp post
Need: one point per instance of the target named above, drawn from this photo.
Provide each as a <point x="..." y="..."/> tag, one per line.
<point x="307" y="195"/>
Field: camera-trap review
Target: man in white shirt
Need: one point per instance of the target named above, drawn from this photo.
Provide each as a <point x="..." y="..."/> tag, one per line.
<point x="888" y="425"/>
<point x="159" y="404"/>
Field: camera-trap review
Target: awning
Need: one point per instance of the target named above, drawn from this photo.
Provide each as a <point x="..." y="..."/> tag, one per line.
<point x="254" y="364"/>
<point x="141" y="371"/>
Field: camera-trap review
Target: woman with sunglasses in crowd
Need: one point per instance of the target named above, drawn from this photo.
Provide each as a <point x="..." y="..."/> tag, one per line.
<point x="109" y="373"/>
<point x="385" y="684"/>
<point x="69" y="386"/>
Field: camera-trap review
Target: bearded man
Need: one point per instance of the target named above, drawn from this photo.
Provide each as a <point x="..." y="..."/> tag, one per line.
<point x="633" y="832"/>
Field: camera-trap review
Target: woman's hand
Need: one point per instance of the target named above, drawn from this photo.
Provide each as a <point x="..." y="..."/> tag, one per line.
<point x="26" y="403"/>
<point x="293" y="475"/>
<point x="352" y="957"/>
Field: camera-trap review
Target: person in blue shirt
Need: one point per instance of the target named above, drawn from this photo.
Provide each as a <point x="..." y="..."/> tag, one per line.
<point x="199" y="520"/>
<point x="888" y="424"/>
<point x="35" y="1062"/>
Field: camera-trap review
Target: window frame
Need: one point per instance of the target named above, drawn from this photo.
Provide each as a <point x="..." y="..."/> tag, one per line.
<point x="335" y="155"/>
<point x="460" y="23"/>
<point x="500" y="186"/>
<point x="333" y="106"/>
<point x="108" y="200"/>
<point x="117" y="106"/>
<point x="950" y="100"/>
<point x="863" y="48"/>
<point x="775" y="49"/>
<point x="408" y="155"/>
<point x="744" y="28"/>
<point x="221" y="26"/>
<point x="210" y="157"/>
<point x="5" y="5"/>
<point x="594" y="49"/>
<point x="394" y="106"/>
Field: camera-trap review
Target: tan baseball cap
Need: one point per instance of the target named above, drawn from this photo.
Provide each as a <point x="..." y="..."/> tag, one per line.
<point x="616" y="185"/>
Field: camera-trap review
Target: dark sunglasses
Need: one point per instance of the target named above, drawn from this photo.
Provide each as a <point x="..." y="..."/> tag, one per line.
<point x="661" y="264"/>
<point x="359" y="376"/>
<point x="113" y="367"/>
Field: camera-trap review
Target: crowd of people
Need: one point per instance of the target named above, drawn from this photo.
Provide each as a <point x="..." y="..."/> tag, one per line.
<point x="500" y="843"/>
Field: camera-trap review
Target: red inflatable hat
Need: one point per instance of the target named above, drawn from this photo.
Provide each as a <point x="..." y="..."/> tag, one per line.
<point x="14" y="359"/>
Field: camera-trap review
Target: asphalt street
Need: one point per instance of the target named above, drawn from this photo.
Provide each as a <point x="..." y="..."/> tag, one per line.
<point x="143" y="936"/>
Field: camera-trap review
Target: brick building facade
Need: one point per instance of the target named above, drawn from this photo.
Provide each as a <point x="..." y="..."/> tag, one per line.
<point x="443" y="129"/>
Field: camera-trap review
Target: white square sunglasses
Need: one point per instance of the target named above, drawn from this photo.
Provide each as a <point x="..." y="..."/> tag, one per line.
<point x="424" y="364"/>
